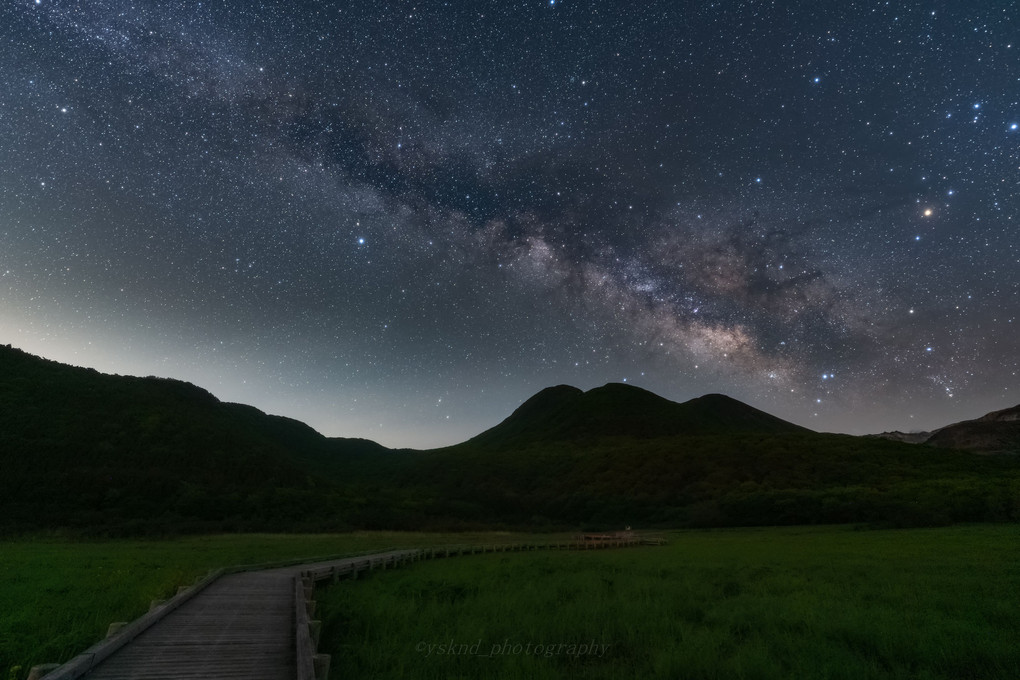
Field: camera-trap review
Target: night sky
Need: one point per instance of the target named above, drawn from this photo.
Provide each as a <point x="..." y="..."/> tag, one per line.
<point x="399" y="220"/>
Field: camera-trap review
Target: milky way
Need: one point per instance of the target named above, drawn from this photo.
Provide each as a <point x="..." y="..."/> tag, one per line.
<point x="399" y="220"/>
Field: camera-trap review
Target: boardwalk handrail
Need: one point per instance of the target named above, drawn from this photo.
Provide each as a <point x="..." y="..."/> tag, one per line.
<point x="305" y="648"/>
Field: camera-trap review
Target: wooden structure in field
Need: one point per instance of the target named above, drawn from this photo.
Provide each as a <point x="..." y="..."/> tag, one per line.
<point x="611" y="539"/>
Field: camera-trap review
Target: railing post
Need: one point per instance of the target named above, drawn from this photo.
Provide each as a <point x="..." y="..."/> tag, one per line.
<point x="321" y="664"/>
<point x="115" y="628"/>
<point x="303" y="643"/>
<point x="39" y="671"/>
<point x="315" y="631"/>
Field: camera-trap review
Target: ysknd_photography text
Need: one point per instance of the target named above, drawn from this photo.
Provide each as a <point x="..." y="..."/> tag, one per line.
<point x="511" y="648"/>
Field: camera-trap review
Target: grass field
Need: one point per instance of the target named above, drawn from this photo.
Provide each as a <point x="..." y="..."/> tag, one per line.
<point x="757" y="603"/>
<point x="57" y="597"/>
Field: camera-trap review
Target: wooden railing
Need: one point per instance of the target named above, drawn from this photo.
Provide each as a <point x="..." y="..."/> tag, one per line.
<point x="314" y="666"/>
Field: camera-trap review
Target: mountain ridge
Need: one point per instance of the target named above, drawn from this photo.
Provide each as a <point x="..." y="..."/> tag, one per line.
<point x="996" y="432"/>
<point x="621" y="410"/>
<point x="94" y="454"/>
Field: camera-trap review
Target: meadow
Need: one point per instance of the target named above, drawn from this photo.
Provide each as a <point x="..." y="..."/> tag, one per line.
<point x="805" y="602"/>
<point x="58" y="596"/>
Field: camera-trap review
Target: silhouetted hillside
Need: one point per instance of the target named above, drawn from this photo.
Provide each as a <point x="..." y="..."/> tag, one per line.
<point x="907" y="437"/>
<point x="97" y="453"/>
<point x="81" y="448"/>
<point x="995" y="432"/>
<point x="718" y="480"/>
<point x="565" y="413"/>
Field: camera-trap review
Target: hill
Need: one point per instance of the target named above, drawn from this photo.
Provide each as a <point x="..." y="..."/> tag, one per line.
<point x="83" y="449"/>
<point x="995" y="432"/>
<point x="93" y="453"/>
<point x="897" y="436"/>
<point x="619" y="455"/>
<point x="565" y="413"/>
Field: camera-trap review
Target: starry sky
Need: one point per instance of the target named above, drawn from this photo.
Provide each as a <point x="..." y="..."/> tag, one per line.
<point x="399" y="220"/>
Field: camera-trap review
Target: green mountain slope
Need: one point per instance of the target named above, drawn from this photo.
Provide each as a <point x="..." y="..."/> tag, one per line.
<point x="81" y="448"/>
<point x="719" y="480"/>
<point x="94" y="453"/>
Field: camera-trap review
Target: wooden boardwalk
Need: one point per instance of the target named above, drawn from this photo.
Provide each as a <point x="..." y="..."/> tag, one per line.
<point x="242" y="625"/>
<point x="253" y="624"/>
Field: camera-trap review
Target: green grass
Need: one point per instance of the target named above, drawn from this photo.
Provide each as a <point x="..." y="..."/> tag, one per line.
<point x="765" y="603"/>
<point x="57" y="597"/>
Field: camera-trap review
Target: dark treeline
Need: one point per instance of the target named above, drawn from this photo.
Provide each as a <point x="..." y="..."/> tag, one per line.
<point x="95" y="454"/>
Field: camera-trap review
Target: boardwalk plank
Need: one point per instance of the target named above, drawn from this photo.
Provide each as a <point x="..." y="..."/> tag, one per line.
<point x="242" y="626"/>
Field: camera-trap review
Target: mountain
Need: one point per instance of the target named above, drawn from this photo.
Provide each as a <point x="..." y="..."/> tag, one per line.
<point x="995" y="432"/>
<point x="565" y="413"/>
<point x="79" y="447"/>
<point x="619" y="455"/>
<point x="897" y="436"/>
<point x="90" y="453"/>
